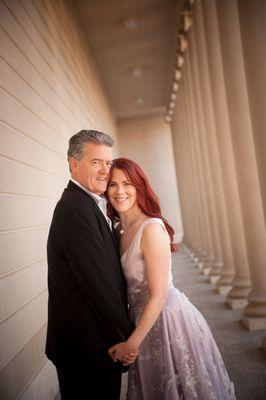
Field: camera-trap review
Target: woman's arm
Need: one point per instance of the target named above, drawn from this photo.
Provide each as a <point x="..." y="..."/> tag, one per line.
<point x="156" y="252"/>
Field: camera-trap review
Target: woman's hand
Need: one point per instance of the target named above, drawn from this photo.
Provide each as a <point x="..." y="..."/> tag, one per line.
<point x="124" y="352"/>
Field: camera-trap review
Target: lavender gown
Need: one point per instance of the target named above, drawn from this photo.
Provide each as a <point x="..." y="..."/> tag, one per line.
<point x="178" y="359"/>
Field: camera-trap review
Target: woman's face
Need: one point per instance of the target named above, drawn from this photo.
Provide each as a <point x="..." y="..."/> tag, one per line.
<point x="122" y="194"/>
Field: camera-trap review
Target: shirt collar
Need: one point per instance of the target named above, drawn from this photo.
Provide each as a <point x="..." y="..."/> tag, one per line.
<point x="96" y="197"/>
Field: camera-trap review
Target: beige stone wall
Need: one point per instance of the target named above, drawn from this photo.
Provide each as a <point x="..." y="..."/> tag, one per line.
<point x="49" y="90"/>
<point x="148" y="141"/>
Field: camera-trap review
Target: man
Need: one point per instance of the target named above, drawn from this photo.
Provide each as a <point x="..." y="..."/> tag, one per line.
<point x="87" y="307"/>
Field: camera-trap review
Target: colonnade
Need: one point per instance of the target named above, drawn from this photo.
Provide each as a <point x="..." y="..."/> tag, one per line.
<point x="219" y="137"/>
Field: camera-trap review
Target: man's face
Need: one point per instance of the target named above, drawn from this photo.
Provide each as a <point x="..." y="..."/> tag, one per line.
<point x="92" y="171"/>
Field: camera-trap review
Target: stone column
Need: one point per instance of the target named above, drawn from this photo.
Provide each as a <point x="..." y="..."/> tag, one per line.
<point x="189" y="163"/>
<point x="252" y="16"/>
<point x="207" y="258"/>
<point x="192" y="166"/>
<point x="203" y="153"/>
<point x="244" y="138"/>
<point x="227" y="272"/>
<point x="241" y="282"/>
<point x="182" y="172"/>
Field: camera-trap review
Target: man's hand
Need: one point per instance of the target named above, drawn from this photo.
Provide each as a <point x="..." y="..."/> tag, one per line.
<point x="130" y="358"/>
<point x="124" y="353"/>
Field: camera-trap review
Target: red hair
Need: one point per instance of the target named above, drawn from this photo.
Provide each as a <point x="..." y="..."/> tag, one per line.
<point x="146" y="198"/>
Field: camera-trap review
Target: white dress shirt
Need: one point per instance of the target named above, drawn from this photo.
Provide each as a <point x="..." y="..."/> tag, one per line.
<point x="101" y="201"/>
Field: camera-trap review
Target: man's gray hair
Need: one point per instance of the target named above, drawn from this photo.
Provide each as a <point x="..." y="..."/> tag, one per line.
<point x="77" y="142"/>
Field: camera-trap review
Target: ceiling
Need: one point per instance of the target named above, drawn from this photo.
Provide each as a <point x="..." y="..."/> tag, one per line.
<point x="133" y="43"/>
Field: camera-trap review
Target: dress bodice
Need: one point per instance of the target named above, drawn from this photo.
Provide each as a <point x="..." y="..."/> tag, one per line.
<point x="134" y="267"/>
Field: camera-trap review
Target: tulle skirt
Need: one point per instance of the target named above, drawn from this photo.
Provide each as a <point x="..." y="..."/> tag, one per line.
<point x="178" y="359"/>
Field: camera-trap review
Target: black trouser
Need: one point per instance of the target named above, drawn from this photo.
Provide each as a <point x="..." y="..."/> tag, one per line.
<point x="82" y="382"/>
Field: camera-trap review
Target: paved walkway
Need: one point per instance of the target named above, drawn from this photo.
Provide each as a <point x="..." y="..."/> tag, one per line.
<point x="241" y="349"/>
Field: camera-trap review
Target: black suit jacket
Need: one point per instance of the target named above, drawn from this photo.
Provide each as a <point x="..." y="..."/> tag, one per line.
<point x="87" y="306"/>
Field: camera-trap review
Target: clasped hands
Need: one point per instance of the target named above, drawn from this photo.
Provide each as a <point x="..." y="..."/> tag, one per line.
<point x="123" y="352"/>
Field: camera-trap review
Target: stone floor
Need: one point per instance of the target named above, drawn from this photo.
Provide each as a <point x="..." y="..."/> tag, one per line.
<point x="241" y="350"/>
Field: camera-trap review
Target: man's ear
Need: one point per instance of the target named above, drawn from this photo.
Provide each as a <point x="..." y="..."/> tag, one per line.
<point x="72" y="164"/>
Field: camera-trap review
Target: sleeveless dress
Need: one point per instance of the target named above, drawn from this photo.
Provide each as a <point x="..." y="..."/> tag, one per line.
<point x="178" y="359"/>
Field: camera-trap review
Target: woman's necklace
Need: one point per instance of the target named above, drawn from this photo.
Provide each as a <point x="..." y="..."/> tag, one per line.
<point x="124" y="228"/>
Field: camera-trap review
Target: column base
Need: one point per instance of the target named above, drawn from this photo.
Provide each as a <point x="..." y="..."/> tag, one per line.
<point x="215" y="272"/>
<point x="239" y="292"/>
<point x="216" y="268"/>
<point x="213" y="278"/>
<point x="263" y="343"/>
<point x="236" y="304"/>
<point x="186" y="248"/>
<point x="206" y="270"/>
<point x="225" y="280"/>
<point x="194" y="253"/>
<point x="253" y="323"/>
<point x="223" y="289"/>
<point x="204" y="262"/>
<point x="200" y="265"/>
<point x="255" y="308"/>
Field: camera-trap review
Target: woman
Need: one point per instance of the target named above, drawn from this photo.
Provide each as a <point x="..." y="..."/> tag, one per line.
<point x="178" y="357"/>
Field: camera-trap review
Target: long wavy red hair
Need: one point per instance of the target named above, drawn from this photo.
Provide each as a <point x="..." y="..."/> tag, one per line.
<point x="146" y="198"/>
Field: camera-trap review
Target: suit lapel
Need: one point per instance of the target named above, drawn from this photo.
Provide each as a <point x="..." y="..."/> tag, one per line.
<point x="99" y="212"/>
<point x="72" y="186"/>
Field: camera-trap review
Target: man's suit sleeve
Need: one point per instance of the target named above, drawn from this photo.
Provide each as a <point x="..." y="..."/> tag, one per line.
<point x="94" y="272"/>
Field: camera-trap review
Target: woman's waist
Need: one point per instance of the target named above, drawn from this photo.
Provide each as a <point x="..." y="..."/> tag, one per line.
<point x="140" y="298"/>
